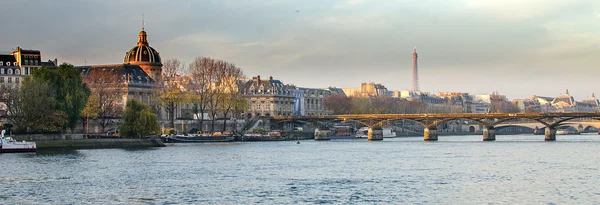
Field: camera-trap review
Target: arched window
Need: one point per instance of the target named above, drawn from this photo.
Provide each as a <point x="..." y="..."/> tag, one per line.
<point x="9" y="72"/>
<point x="1" y="63"/>
<point x="14" y="63"/>
<point x="17" y="72"/>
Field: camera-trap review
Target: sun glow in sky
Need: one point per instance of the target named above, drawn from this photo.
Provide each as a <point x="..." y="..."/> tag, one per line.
<point x="516" y="47"/>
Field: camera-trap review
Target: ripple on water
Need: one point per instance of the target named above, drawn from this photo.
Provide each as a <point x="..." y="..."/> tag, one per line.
<point x="460" y="170"/>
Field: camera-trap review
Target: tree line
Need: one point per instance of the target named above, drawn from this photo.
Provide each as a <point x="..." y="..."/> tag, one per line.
<point x="56" y="99"/>
<point x="340" y="104"/>
<point x="210" y="86"/>
<point x="50" y="100"/>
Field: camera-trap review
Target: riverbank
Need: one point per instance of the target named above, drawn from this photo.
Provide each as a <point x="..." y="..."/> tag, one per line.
<point x="99" y="143"/>
<point x="80" y="141"/>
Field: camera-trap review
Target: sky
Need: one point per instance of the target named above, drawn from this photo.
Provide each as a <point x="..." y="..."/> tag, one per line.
<point x="518" y="48"/>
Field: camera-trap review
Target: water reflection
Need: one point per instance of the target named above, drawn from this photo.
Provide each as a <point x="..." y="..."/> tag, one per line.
<point x="54" y="152"/>
<point x="455" y="170"/>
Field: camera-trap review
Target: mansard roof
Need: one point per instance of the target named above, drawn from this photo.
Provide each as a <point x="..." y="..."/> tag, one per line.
<point x="7" y="58"/>
<point x="133" y="74"/>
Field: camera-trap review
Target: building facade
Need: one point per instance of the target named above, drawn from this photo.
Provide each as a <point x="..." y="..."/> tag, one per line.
<point x="268" y="98"/>
<point x="20" y="63"/>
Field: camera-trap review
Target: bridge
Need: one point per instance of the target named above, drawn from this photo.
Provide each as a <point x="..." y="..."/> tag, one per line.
<point x="489" y="121"/>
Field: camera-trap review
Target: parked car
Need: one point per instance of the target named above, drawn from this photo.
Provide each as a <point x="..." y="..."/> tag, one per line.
<point x="113" y="132"/>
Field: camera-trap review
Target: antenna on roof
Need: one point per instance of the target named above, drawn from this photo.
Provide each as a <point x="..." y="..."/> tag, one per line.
<point x="142" y="21"/>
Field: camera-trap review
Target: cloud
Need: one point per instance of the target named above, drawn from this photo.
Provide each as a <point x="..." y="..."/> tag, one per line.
<point x="463" y="44"/>
<point x="515" y="10"/>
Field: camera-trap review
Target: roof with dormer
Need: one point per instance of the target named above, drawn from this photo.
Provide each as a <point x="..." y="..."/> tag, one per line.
<point x="132" y="74"/>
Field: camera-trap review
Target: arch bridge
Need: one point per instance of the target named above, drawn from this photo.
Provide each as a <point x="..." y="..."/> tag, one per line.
<point x="431" y="121"/>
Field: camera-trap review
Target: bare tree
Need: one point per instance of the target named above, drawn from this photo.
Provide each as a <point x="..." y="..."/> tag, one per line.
<point x="172" y="67"/>
<point x="232" y="98"/>
<point x="105" y="101"/>
<point x="9" y="95"/>
<point x="172" y="91"/>
<point x="203" y="75"/>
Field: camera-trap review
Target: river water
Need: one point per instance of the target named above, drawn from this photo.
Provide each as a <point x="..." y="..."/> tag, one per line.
<point x="518" y="169"/>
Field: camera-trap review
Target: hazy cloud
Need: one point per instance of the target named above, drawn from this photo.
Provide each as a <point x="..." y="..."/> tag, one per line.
<point x="519" y="48"/>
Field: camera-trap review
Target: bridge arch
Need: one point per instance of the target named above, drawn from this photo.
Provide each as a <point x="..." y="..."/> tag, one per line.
<point x="589" y="127"/>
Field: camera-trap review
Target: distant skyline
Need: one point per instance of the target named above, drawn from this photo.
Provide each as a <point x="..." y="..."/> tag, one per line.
<point x="515" y="47"/>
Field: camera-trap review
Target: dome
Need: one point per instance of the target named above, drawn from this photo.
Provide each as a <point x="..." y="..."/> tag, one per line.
<point x="142" y="52"/>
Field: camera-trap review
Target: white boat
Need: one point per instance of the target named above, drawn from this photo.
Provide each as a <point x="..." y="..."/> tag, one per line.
<point x="363" y="132"/>
<point x="388" y="133"/>
<point x="8" y="144"/>
<point x="566" y="132"/>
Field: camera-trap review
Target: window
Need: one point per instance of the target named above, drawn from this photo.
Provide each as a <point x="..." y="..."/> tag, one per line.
<point x="17" y="72"/>
<point x="1" y="70"/>
<point x="1" y="79"/>
<point x="1" y="63"/>
<point x="9" y="80"/>
<point x="17" y="80"/>
<point x="14" y="63"/>
<point x="26" y="71"/>
<point x="9" y="71"/>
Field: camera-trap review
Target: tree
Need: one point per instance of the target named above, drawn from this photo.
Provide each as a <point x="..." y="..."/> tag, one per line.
<point x="338" y="104"/>
<point x="69" y="90"/>
<point x="204" y="75"/>
<point x="38" y="100"/>
<point x="105" y="100"/>
<point x="172" y="91"/>
<point x="360" y="105"/>
<point x="9" y="95"/>
<point x="138" y="121"/>
<point x="232" y="99"/>
<point x="383" y="105"/>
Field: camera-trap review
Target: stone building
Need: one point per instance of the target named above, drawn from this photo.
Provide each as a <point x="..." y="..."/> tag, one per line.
<point x="268" y="97"/>
<point x="20" y="63"/>
<point x="366" y="90"/>
<point x="560" y="103"/>
<point x="313" y="101"/>
<point x="140" y="71"/>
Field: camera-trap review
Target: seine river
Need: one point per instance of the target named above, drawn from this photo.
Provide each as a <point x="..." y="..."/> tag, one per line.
<point x="519" y="169"/>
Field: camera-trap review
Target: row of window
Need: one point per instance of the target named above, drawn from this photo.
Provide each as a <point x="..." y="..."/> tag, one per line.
<point x="10" y="71"/>
<point x="9" y="80"/>
<point x="32" y="62"/>
<point x="16" y="71"/>
<point x="35" y="56"/>
<point x="8" y="63"/>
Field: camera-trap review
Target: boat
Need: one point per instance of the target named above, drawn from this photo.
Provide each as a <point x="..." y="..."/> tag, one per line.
<point x="196" y="138"/>
<point x="270" y="136"/>
<point x="363" y="132"/>
<point x="388" y="133"/>
<point x="8" y="144"/>
<point x="343" y="132"/>
<point x="566" y="132"/>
